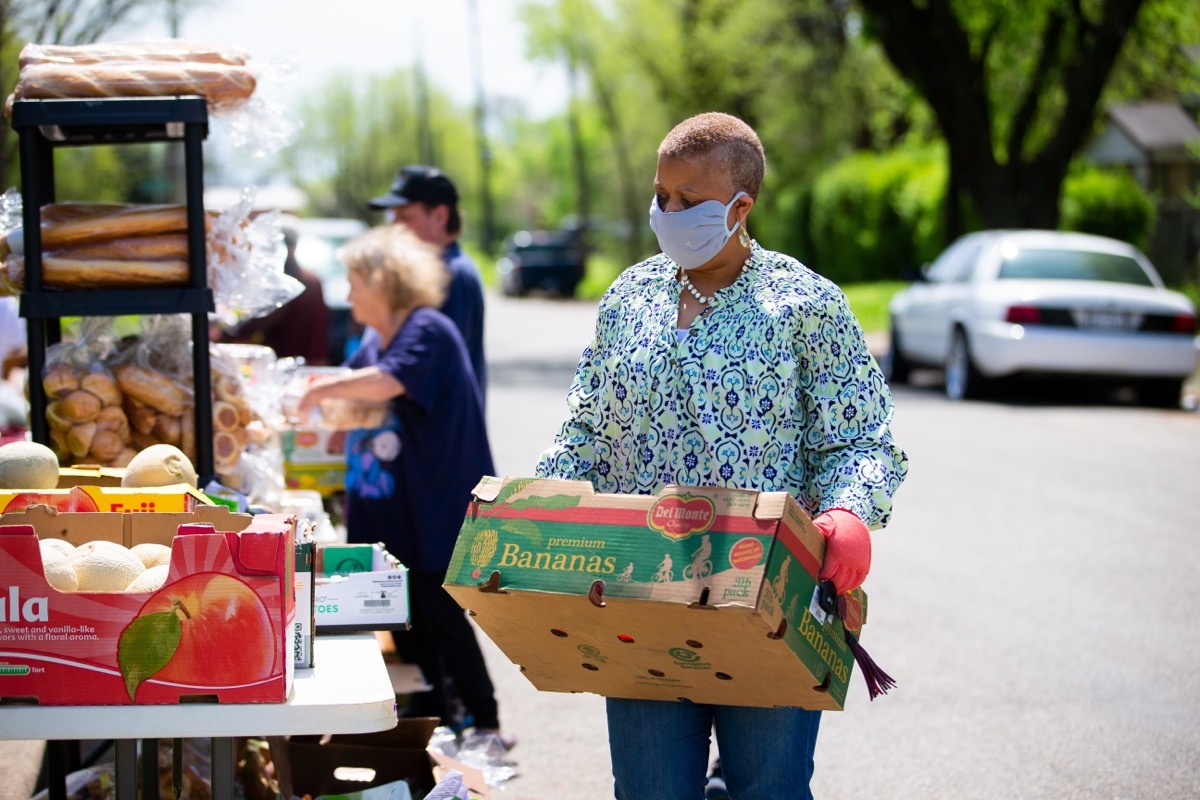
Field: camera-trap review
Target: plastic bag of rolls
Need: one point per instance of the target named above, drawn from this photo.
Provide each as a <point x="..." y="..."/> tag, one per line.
<point x="109" y="398"/>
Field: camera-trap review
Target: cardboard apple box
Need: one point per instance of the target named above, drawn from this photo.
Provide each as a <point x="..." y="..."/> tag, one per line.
<point x="696" y="593"/>
<point x="180" y="497"/>
<point x="217" y="630"/>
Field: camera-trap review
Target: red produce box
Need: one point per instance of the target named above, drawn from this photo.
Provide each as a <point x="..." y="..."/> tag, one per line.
<point x="216" y="630"/>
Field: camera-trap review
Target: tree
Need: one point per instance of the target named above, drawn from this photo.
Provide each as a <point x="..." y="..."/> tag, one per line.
<point x="1016" y="89"/>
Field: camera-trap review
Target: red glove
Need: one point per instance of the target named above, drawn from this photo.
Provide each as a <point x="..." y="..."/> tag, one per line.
<point x="847" y="549"/>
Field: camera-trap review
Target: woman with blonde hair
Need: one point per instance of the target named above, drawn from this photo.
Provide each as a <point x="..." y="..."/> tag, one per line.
<point x="408" y="483"/>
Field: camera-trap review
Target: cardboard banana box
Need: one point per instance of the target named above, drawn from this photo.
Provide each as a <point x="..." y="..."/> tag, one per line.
<point x="697" y="593"/>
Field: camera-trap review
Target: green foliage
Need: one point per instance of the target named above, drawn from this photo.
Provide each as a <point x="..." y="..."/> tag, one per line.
<point x="1108" y="203"/>
<point x="874" y="215"/>
<point x="869" y="302"/>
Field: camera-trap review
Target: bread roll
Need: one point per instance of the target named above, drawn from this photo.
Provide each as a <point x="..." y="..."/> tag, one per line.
<point x="152" y="388"/>
<point x="112" y="418"/>
<point x="187" y="435"/>
<point x="225" y="415"/>
<point x="226" y="386"/>
<point x="103" y="386"/>
<point x="141" y="416"/>
<point x="55" y="418"/>
<point x="80" y="406"/>
<point x="225" y="450"/>
<point x="224" y="85"/>
<point x="244" y="413"/>
<point x="141" y="440"/>
<point x="106" y="445"/>
<point x="167" y="430"/>
<point x="60" y="380"/>
<point x="79" y="438"/>
<point x="58" y="443"/>
<point x="123" y="458"/>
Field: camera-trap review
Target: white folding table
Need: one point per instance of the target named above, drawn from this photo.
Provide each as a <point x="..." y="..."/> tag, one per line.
<point x="347" y="691"/>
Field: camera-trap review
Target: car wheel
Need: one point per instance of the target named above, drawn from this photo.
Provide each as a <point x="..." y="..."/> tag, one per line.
<point x="1161" y="392"/>
<point x="963" y="380"/>
<point x="895" y="366"/>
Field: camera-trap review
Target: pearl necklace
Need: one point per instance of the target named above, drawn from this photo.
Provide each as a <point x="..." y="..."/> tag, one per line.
<point x="703" y="299"/>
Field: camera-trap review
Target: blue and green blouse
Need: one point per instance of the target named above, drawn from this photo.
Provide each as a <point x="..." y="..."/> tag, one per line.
<point x="772" y="389"/>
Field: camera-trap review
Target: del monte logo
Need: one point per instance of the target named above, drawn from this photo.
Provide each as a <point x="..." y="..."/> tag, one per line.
<point x="679" y="516"/>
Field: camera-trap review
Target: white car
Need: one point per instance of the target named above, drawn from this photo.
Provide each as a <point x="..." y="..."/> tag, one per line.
<point x="999" y="303"/>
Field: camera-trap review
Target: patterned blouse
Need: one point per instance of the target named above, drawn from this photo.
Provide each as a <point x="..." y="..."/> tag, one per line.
<point x="772" y="389"/>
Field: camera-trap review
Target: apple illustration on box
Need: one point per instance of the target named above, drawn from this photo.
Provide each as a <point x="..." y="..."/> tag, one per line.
<point x="206" y="629"/>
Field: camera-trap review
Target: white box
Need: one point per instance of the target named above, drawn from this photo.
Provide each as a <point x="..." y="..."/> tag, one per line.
<point x="364" y="601"/>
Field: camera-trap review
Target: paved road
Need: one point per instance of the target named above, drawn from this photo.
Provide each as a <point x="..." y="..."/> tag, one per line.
<point x="1032" y="598"/>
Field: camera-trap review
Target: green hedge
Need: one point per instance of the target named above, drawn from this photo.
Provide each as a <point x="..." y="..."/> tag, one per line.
<point x="1107" y="203"/>
<point x="873" y="216"/>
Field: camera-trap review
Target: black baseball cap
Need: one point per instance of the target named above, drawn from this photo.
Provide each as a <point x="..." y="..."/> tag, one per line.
<point x="418" y="184"/>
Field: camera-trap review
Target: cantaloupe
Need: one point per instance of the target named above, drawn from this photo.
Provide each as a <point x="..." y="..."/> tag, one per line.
<point x="57" y="545"/>
<point x="149" y="581"/>
<point x="102" y="566"/>
<point x="28" y="465"/>
<point x="58" y="571"/>
<point x="152" y="553"/>
<point x="159" y="465"/>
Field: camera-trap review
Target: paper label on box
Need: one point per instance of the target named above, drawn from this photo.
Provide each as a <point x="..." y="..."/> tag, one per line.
<point x="301" y="638"/>
<point x="667" y="552"/>
<point x="361" y="597"/>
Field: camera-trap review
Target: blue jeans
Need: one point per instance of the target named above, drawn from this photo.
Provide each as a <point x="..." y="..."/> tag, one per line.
<point x="660" y="749"/>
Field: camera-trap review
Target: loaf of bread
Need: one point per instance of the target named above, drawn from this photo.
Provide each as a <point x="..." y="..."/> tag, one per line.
<point x="152" y="388"/>
<point x="223" y="85"/>
<point x="78" y="225"/>
<point x="70" y="273"/>
<point x="137" y="248"/>
<point x="113" y="273"/>
<point x="155" y="50"/>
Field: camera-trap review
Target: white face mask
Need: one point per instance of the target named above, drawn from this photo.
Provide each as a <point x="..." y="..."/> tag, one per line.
<point x="694" y="236"/>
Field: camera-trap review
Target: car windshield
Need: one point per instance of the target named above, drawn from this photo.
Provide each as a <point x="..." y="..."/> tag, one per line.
<point x="1071" y="265"/>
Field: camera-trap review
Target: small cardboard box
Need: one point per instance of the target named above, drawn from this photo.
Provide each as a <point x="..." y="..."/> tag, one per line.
<point x="328" y="765"/>
<point x="376" y="600"/>
<point x="89" y="475"/>
<point x="304" y="626"/>
<point x="216" y="630"/>
<point x="169" y="499"/>
<point x="697" y="593"/>
<point x="314" y="459"/>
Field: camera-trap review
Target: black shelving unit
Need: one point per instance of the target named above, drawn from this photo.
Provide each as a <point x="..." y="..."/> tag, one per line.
<point x="42" y="126"/>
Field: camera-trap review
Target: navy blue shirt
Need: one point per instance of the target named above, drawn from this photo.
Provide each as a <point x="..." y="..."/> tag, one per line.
<point x="408" y="484"/>
<point x="464" y="305"/>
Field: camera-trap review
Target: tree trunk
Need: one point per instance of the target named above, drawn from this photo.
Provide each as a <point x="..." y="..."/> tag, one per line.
<point x="929" y="46"/>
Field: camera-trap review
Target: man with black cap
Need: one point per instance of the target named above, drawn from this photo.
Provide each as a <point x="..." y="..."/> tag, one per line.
<point x="425" y="201"/>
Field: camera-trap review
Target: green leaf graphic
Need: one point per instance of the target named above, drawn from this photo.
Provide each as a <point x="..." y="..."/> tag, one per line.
<point x="523" y="527"/>
<point x="146" y="646"/>
<point x="512" y="488"/>
<point x="554" y="502"/>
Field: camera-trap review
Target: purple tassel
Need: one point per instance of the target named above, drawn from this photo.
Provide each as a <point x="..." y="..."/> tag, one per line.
<point x="878" y="681"/>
